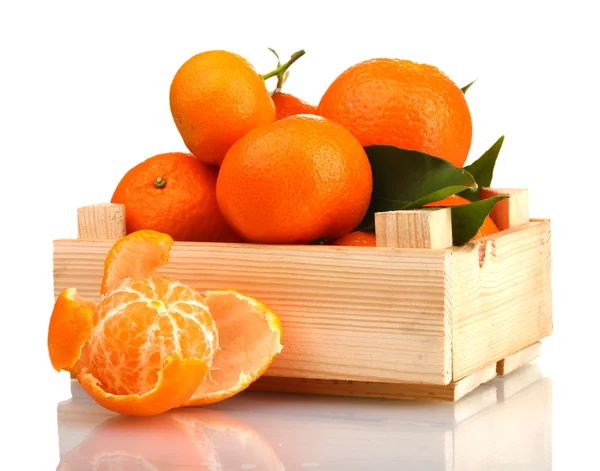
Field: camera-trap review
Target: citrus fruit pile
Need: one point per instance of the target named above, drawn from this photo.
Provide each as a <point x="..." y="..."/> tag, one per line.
<point x="153" y="343"/>
<point x="263" y="167"/>
<point x="266" y="167"/>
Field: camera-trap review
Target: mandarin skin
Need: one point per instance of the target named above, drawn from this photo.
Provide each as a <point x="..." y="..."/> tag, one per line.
<point x="294" y="181"/>
<point x="404" y="104"/>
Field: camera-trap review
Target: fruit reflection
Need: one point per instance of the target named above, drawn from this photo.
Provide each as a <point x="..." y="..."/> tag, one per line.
<point x="198" y="439"/>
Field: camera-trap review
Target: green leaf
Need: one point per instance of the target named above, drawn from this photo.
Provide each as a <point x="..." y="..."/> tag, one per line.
<point x="483" y="170"/>
<point x="466" y="87"/>
<point x="276" y="55"/>
<point x="405" y="179"/>
<point x="468" y="218"/>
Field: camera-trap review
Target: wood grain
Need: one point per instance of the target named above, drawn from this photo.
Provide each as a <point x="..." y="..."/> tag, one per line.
<point x="501" y="296"/>
<point x="449" y="392"/>
<point x="511" y="212"/>
<point x="357" y="313"/>
<point x="516" y="360"/>
<point x="101" y="221"/>
<point x="415" y="323"/>
<point x="429" y="228"/>
<point x="464" y="386"/>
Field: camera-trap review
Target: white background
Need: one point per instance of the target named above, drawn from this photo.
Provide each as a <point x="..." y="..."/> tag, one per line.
<point x="84" y="96"/>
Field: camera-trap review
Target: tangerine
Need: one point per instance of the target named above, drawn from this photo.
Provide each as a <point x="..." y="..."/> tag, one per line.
<point x="404" y="104"/>
<point x="149" y="344"/>
<point x="294" y="181"/>
<point x="173" y="193"/>
<point x="215" y="98"/>
<point x="290" y="105"/>
<point x="357" y="239"/>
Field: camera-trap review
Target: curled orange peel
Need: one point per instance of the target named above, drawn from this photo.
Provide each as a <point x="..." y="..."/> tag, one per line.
<point x="176" y="383"/>
<point x="242" y="359"/>
<point x="150" y="249"/>
<point x="69" y="329"/>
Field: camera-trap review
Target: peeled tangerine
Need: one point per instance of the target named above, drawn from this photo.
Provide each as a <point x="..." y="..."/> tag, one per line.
<point x="152" y="343"/>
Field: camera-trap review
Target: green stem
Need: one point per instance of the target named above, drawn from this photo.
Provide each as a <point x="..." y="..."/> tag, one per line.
<point x="280" y="71"/>
<point x="280" y="78"/>
<point x="160" y="183"/>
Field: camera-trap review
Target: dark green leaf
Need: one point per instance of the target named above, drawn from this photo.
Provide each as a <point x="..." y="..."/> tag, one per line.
<point x="466" y="87"/>
<point x="404" y="179"/>
<point x="468" y="218"/>
<point x="483" y="170"/>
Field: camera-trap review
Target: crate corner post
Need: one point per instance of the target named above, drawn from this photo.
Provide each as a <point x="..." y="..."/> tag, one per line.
<point x="506" y="277"/>
<point x="101" y="221"/>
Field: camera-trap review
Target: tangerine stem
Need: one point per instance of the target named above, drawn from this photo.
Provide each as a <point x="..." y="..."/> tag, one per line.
<point x="279" y="71"/>
<point x="159" y="183"/>
<point x="280" y="78"/>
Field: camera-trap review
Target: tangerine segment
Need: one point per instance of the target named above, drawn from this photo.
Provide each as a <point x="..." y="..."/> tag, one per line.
<point x="138" y="254"/>
<point x="176" y="383"/>
<point x="142" y="322"/>
<point x="69" y="329"/>
<point x="249" y="340"/>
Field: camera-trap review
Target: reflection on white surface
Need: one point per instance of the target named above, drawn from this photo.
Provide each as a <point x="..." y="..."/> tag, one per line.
<point x="504" y="425"/>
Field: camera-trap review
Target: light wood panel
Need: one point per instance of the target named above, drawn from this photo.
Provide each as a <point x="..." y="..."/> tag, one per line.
<point x="501" y="296"/>
<point x="449" y="392"/>
<point x="101" y="221"/>
<point x="383" y="322"/>
<point x="429" y="228"/>
<point x="358" y="313"/>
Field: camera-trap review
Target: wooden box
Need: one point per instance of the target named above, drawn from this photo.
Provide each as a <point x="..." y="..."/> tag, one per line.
<point x="413" y="318"/>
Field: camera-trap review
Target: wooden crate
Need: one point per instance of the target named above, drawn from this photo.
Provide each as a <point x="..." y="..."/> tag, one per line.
<point x="413" y="318"/>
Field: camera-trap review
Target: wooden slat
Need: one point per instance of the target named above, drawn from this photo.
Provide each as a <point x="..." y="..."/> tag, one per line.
<point x="516" y="360"/>
<point x="511" y="212"/>
<point x="101" y="221"/>
<point x="464" y="386"/>
<point x="429" y="228"/>
<point x="348" y="312"/>
<point x="449" y="392"/>
<point x="501" y="296"/>
<point x="393" y="322"/>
